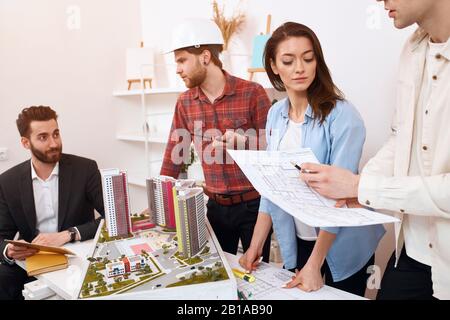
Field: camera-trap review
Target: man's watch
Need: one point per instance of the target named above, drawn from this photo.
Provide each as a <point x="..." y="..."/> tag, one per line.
<point x="73" y="234"/>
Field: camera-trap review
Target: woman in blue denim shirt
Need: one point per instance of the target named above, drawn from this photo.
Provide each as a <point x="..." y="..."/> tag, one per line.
<point x="314" y="115"/>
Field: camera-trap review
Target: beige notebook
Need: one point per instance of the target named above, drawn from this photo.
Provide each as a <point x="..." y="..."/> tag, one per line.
<point x="45" y="262"/>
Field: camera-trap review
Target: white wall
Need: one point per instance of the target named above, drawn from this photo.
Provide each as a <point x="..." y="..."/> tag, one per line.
<point x="49" y="55"/>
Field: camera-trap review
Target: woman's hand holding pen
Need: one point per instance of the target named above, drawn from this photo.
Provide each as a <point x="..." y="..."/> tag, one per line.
<point x="250" y="259"/>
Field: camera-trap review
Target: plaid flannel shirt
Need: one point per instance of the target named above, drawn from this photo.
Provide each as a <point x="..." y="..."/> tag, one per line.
<point x="243" y="105"/>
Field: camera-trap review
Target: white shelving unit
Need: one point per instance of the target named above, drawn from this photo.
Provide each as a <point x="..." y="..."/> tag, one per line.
<point x="138" y="92"/>
<point x="156" y="91"/>
<point x="139" y="137"/>
<point x="149" y="135"/>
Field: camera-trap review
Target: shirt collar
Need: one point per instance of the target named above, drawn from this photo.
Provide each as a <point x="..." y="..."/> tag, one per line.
<point x="420" y="36"/>
<point x="230" y="88"/>
<point x="285" y="111"/>
<point x="55" y="171"/>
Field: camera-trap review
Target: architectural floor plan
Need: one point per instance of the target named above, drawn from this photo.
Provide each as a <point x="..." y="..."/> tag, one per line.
<point x="269" y="282"/>
<point x="275" y="177"/>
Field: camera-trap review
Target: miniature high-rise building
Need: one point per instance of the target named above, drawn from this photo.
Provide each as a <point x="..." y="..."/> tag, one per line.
<point x="190" y="220"/>
<point x="164" y="201"/>
<point x="116" y="201"/>
<point x="160" y="199"/>
<point x="151" y="188"/>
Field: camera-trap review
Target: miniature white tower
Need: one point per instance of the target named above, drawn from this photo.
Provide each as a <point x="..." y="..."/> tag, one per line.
<point x="116" y="202"/>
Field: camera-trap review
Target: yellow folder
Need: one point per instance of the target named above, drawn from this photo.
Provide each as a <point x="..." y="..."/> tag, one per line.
<point x="43" y="262"/>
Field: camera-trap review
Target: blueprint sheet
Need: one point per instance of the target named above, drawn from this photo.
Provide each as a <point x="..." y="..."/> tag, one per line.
<point x="274" y="176"/>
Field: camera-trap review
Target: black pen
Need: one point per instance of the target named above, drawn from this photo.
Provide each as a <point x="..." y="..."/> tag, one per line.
<point x="296" y="165"/>
<point x="300" y="169"/>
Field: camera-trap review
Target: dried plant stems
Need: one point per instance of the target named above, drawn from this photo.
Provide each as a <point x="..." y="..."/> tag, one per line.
<point x="227" y="26"/>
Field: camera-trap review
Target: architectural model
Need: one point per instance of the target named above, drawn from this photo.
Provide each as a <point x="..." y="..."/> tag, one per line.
<point x="177" y="258"/>
<point x="148" y="265"/>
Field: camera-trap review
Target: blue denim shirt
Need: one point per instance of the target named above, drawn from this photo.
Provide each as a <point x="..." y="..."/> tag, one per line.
<point x="338" y="141"/>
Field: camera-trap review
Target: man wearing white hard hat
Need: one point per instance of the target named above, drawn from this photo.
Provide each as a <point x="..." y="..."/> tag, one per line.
<point x="218" y="111"/>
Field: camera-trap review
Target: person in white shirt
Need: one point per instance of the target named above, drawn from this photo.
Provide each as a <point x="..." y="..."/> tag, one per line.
<point x="49" y="199"/>
<point x="410" y="175"/>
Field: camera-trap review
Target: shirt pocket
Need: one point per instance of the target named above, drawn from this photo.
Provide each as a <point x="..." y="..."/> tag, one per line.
<point x="235" y="124"/>
<point x="196" y="125"/>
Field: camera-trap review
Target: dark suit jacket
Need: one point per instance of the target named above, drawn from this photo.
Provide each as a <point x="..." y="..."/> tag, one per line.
<point x="80" y="192"/>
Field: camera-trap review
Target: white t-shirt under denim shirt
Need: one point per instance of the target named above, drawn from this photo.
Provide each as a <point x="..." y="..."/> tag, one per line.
<point x="292" y="140"/>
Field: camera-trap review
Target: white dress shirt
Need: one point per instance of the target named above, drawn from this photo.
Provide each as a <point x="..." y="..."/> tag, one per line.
<point x="46" y="200"/>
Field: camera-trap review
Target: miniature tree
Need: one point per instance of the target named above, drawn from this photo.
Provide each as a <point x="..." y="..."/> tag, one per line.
<point x="101" y="282"/>
<point x="214" y="276"/>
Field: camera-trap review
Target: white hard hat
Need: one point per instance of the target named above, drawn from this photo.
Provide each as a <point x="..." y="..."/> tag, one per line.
<point x="194" y="32"/>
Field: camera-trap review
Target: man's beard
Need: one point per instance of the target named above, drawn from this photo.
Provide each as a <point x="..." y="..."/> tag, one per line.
<point x="197" y="78"/>
<point x="51" y="156"/>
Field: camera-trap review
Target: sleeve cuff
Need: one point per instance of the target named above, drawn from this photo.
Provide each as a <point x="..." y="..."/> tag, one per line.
<point x="9" y="261"/>
<point x="78" y="233"/>
<point x="334" y="230"/>
<point x="264" y="205"/>
<point x="368" y="190"/>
